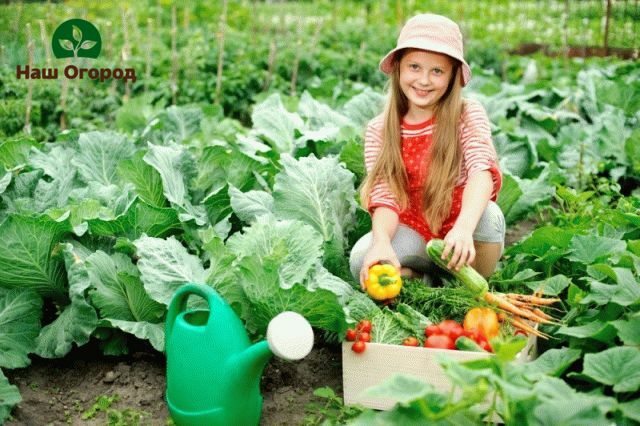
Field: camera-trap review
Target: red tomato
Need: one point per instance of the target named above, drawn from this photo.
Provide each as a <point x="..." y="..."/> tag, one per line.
<point x="411" y="341"/>
<point x="431" y="330"/>
<point x="351" y="335"/>
<point x="454" y="333"/>
<point x="364" y="325"/>
<point x="439" y="341"/>
<point x="451" y="329"/>
<point x="364" y="337"/>
<point x="358" y="347"/>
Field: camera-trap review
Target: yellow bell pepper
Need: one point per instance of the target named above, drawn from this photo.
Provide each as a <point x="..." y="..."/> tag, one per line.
<point x="384" y="282"/>
<point x="484" y="320"/>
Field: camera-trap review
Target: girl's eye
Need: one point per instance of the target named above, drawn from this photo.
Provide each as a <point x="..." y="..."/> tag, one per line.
<point x="414" y="66"/>
<point x="438" y="71"/>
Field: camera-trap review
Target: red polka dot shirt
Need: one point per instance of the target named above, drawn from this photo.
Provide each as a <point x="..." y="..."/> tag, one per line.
<point x="478" y="154"/>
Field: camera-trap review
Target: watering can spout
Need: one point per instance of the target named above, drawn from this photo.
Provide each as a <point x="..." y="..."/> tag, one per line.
<point x="251" y="361"/>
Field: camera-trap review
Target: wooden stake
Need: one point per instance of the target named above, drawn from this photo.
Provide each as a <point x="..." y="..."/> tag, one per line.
<point x="108" y="46"/>
<point x="565" y="30"/>
<point x="126" y="53"/>
<point x="272" y="61"/>
<point x="606" y="28"/>
<point x="221" y="31"/>
<point x="45" y="42"/>
<point x="174" y="57"/>
<point x="28" y="105"/>
<point x="63" y="100"/>
<point x="147" y="71"/>
<point x="18" y="19"/>
<point x="296" y="60"/>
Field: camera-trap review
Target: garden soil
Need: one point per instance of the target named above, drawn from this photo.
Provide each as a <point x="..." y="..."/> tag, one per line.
<point x="63" y="391"/>
<point x="60" y="392"/>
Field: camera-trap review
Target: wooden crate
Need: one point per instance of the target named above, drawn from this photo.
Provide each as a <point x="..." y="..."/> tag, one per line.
<point x="380" y="361"/>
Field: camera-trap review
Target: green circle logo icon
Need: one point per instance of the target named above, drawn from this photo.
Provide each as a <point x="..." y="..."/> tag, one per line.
<point x="76" y="38"/>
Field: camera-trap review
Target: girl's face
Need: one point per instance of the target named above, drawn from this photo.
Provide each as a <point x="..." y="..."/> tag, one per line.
<point x="424" y="78"/>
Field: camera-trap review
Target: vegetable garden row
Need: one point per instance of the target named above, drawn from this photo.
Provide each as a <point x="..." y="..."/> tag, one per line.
<point x="257" y="197"/>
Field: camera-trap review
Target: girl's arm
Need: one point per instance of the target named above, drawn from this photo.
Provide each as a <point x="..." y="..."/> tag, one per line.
<point x="384" y="225"/>
<point x="475" y="198"/>
<point x="459" y="239"/>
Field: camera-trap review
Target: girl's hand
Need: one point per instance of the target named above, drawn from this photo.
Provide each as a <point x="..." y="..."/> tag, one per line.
<point x="460" y="242"/>
<point x="378" y="252"/>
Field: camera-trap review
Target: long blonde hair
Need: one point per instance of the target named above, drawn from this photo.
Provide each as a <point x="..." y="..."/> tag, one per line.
<point x="444" y="158"/>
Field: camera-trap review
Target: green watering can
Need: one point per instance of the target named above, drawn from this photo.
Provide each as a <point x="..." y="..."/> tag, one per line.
<point x="213" y="370"/>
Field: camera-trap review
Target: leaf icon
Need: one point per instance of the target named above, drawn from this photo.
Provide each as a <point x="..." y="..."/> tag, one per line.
<point x="66" y="44"/>
<point x="88" y="44"/>
<point x="77" y="34"/>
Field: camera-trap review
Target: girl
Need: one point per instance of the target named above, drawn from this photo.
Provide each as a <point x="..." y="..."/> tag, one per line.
<point x="432" y="169"/>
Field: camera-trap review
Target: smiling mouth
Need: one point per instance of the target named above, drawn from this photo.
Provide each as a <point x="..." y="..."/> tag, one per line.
<point x="422" y="92"/>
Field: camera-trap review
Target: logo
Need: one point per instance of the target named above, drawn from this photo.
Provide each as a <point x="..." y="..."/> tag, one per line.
<point x="76" y="38"/>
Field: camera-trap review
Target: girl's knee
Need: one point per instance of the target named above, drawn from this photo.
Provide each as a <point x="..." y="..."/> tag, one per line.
<point x="491" y="227"/>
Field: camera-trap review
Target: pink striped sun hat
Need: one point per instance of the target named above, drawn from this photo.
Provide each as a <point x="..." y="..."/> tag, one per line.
<point x="430" y="32"/>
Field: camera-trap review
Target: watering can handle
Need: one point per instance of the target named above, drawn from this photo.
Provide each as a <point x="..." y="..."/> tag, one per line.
<point x="179" y="301"/>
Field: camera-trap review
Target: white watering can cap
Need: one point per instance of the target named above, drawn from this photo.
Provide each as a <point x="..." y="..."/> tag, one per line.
<point x="290" y="336"/>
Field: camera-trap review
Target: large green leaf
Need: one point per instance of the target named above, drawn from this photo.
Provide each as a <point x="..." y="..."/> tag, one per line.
<point x="322" y="123"/>
<point x="176" y="168"/>
<point x="99" y="155"/>
<point x="5" y="180"/>
<point x="20" y="312"/>
<point x="552" y="286"/>
<point x="594" y="330"/>
<point x="9" y="396"/>
<point x="26" y="259"/>
<point x="364" y="106"/>
<point x="153" y="332"/>
<point x="119" y="293"/>
<point x="176" y="123"/>
<point x="318" y="192"/>
<point x="629" y="330"/>
<point x="221" y="274"/>
<point x="146" y="179"/>
<point x="74" y="325"/>
<point x="618" y="367"/>
<point x="295" y="246"/>
<point x="516" y="153"/>
<point x="171" y="162"/>
<point x="552" y="362"/>
<point x="77" y="320"/>
<point x="542" y="240"/>
<point x="533" y="192"/>
<point x="220" y="165"/>
<point x="401" y="389"/>
<point x="589" y="248"/>
<point x="249" y="205"/>
<point x="165" y="266"/>
<point x="15" y="152"/>
<point x="262" y="285"/>
<point x="630" y="409"/>
<point x="271" y="120"/>
<point x="56" y="162"/>
<point x="140" y="218"/>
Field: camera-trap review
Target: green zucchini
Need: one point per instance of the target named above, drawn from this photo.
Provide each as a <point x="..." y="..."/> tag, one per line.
<point x="471" y="279"/>
<point x="463" y="343"/>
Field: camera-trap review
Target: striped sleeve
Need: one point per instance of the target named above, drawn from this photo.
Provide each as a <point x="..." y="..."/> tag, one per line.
<point x="380" y="193"/>
<point x="478" y="150"/>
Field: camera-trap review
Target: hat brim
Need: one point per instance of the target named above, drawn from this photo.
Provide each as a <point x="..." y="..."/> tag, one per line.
<point x="386" y="64"/>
